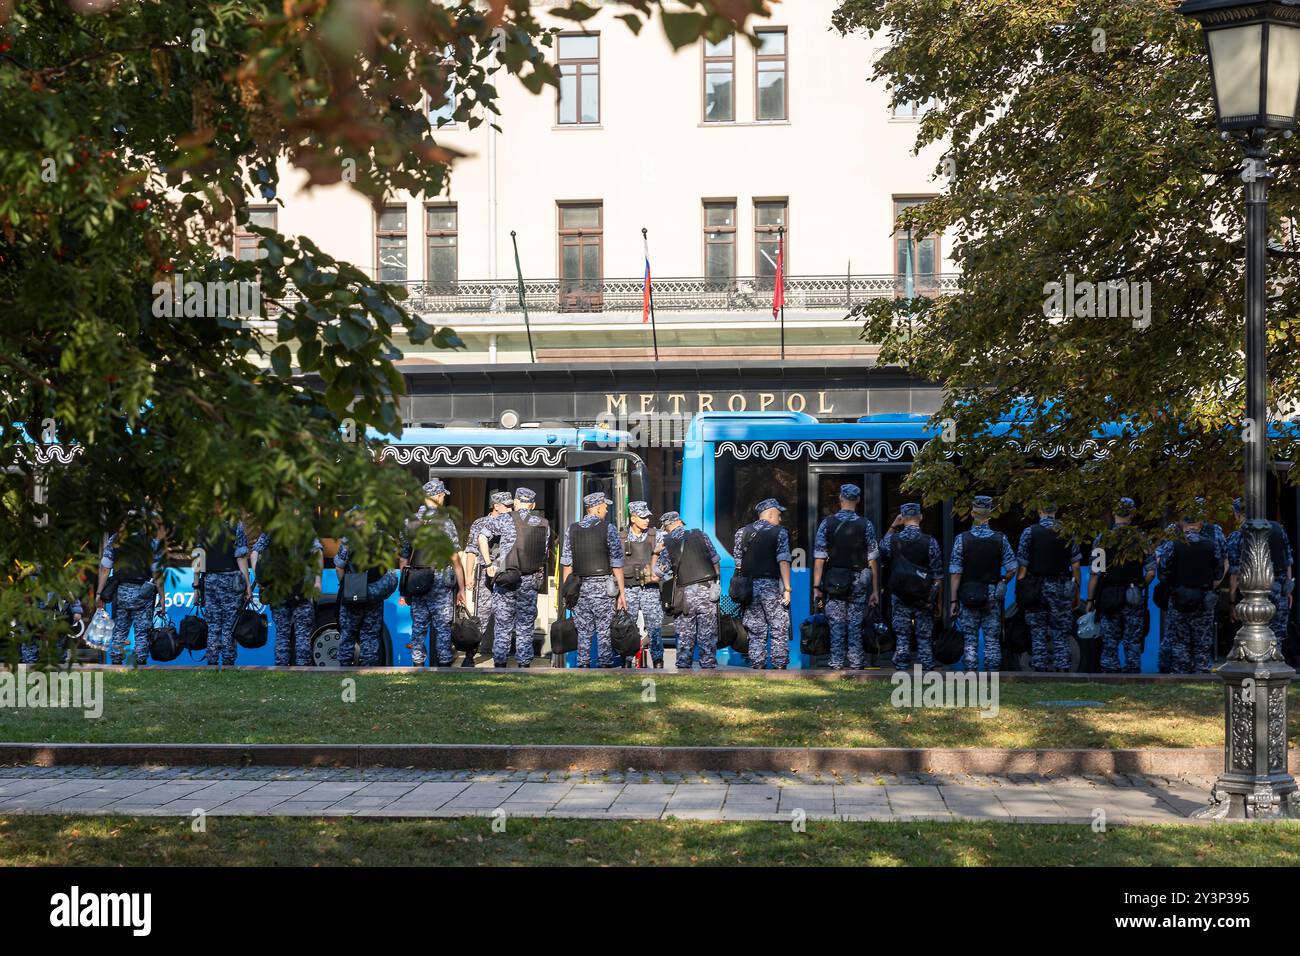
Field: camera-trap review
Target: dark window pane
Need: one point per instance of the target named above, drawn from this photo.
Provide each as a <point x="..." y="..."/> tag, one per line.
<point x="392" y="220"/>
<point x="719" y="214"/>
<point x="262" y="217"/>
<point x="442" y="217"/>
<point x="579" y="217"/>
<point x="771" y="93"/>
<point x="720" y="260"/>
<point x="392" y="259"/>
<point x="442" y="259"/>
<point x="769" y="214"/>
<point x="719" y="100"/>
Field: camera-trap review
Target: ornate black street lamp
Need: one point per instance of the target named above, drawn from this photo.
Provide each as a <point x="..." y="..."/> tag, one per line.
<point x="1254" y="51"/>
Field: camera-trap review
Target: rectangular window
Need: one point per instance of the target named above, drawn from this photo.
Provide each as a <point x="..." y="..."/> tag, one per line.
<point x="770" y="63"/>
<point x="720" y="242"/>
<point x="444" y="114"/>
<point x="579" y="62"/>
<point x="910" y="109"/>
<point x="390" y="244"/>
<point x="719" y="81"/>
<point x="581" y="238"/>
<point x="769" y="218"/>
<point x="248" y="246"/>
<point x="916" y="257"/>
<point x="440" y="242"/>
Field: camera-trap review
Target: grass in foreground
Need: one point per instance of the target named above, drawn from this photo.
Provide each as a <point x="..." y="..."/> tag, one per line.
<point x="270" y="707"/>
<point x="243" y="841"/>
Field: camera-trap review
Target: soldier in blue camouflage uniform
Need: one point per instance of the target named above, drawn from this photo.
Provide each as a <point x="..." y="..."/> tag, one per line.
<point x="596" y="605"/>
<point x="29" y="652"/>
<point x="769" y="611"/>
<point x="1189" y="633"/>
<point x="987" y="619"/>
<point x="225" y="592"/>
<point x="1052" y="625"/>
<point x="476" y="578"/>
<point x="845" y="615"/>
<point x="362" y="624"/>
<point x="431" y="613"/>
<point x="139" y="562"/>
<point x="515" y="610"/>
<point x="643" y="597"/>
<point x="697" y="625"/>
<point x="1281" y="592"/>
<point x="915" y="619"/>
<point x="1126" y="627"/>
<point x="294" y="617"/>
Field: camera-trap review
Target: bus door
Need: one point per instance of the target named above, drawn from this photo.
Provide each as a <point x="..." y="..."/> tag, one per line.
<point x="621" y="475"/>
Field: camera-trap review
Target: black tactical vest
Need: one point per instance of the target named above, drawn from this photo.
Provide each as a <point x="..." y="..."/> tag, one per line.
<point x="219" y="553"/>
<point x="422" y="557"/>
<point x="981" y="558"/>
<point x="1049" y="555"/>
<point x="637" y="555"/>
<point x="590" y="549"/>
<point x="529" y="552"/>
<point x="848" y="545"/>
<point x="1194" y="565"/>
<point x="133" y="559"/>
<point x="916" y="550"/>
<point x="690" y="560"/>
<point x="759" y="554"/>
<point x="1122" y="573"/>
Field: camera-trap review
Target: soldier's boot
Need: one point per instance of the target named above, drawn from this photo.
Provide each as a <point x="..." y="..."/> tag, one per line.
<point x="468" y="661"/>
<point x="498" y="663"/>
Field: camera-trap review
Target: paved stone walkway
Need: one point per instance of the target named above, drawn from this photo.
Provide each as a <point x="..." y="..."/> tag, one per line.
<point x="626" y="794"/>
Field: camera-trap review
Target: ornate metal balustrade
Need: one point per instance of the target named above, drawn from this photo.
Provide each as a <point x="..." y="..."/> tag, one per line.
<point x="742" y="294"/>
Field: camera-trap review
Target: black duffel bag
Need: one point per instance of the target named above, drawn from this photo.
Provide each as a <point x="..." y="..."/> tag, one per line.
<point x="1015" y="631"/>
<point x="732" y="633"/>
<point x="485" y="645"/>
<point x="193" y="633"/>
<point x="624" y="635"/>
<point x="815" y="636"/>
<point x="877" y="635"/>
<point x="668" y="595"/>
<point x="1111" y="599"/>
<point x="948" y="644"/>
<point x="164" y="643"/>
<point x="741" y="589"/>
<point x="837" y="583"/>
<point x="564" y="635"/>
<point x="570" y="589"/>
<point x="250" y="628"/>
<point x="465" y="634"/>
<point x="417" y="582"/>
<point x="509" y="579"/>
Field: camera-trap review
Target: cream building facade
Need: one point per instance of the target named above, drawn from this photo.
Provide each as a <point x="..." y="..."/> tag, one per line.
<point x="712" y="150"/>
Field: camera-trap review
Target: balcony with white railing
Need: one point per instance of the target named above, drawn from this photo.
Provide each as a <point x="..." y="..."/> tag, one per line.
<point x="496" y="300"/>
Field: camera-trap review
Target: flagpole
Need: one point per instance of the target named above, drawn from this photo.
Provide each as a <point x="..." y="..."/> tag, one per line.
<point x="654" y="332"/>
<point x="781" y="233"/>
<point x="523" y="304"/>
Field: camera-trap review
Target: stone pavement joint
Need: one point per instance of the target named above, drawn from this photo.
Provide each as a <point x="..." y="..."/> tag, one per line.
<point x="622" y="795"/>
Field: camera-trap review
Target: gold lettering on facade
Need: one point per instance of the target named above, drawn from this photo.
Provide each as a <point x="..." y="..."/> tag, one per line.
<point x="795" y="402"/>
<point x="676" y="399"/>
<point x="765" y="399"/>
<point x="615" y="401"/>
<point x="822" y="407"/>
<point x="706" y="401"/>
<point x="731" y="403"/>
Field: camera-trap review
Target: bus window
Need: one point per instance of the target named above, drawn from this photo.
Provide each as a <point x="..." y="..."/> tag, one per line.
<point x="741" y="485"/>
<point x="894" y="498"/>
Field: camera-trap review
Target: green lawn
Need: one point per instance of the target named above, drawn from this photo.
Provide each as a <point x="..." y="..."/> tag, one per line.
<point x="282" y="707"/>
<point x="242" y="841"/>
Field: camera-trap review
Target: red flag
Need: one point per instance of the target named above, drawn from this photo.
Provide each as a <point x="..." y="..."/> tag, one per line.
<point x="778" y="292"/>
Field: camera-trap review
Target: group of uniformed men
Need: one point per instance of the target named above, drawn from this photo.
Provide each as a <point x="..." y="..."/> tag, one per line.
<point x="503" y="568"/>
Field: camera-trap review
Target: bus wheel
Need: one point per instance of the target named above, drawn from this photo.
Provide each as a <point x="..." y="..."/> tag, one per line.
<point x="325" y="647"/>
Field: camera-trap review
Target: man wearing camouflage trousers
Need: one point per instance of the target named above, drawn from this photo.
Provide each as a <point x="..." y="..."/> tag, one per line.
<point x="1045" y="555"/>
<point x="477" y="563"/>
<point x="1123" y="623"/>
<point x="514" y="610"/>
<point x="914" y="619"/>
<point x="981" y="556"/>
<point x="136" y="560"/>
<point x="362" y="623"/>
<point x="688" y="556"/>
<point x="1192" y="569"/>
<point x="293" y="615"/>
<point x="431" y="612"/>
<point x="593" y="551"/>
<point x="838" y="546"/>
<point x="642" y="591"/>
<point x="762" y="551"/>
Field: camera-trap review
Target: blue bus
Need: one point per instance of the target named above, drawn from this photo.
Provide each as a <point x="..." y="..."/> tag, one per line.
<point x="732" y="461"/>
<point x="561" y="464"/>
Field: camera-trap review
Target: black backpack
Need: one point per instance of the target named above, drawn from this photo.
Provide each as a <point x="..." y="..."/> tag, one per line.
<point x="465" y="634"/>
<point x="164" y="644"/>
<point x="624" y="635"/>
<point x="1015" y="631"/>
<point x="732" y="633"/>
<point x="250" y="628"/>
<point x="877" y="635"/>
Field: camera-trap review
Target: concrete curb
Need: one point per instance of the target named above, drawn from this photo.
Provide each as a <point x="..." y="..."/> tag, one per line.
<point x="1164" y="762"/>
<point x="726" y="673"/>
